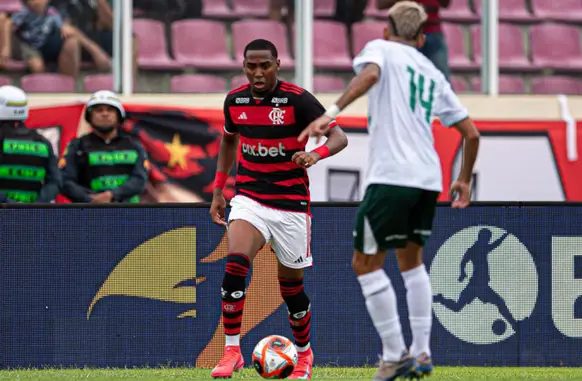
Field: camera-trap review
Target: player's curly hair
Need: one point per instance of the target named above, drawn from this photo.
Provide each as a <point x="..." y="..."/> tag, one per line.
<point x="260" y="44"/>
<point x="407" y="19"/>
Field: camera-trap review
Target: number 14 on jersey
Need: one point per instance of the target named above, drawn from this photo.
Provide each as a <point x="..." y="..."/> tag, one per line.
<point x="418" y="95"/>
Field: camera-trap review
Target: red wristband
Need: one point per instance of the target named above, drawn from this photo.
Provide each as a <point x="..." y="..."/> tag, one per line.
<point x="220" y="180"/>
<point x="323" y="151"/>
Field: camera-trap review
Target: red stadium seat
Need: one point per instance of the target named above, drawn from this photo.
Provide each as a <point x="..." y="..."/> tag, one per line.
<point x="331" y="45"/>
<point x="216" y="9"/>
<point x="238" y="80"/>
<point x="372" y="11"/>
<point x="556" y="46"/>
<point x="198" y="83"/>
<point x="4" y="80"/>
<point x="324" y="8"/>
<point x="245" y="31"/>
<point x="556" y="85"/>
<point x="558" y="10"/>
<point x="507" y="85"/>
<point x="458" y="59"/>
<point x="459" y="84"/>
<point x="364" y="32"/>
<point x="192" y="47"/>
<point x="10" y="6"/>
<point x="95" y="82"/>
<point x="458" y="11"/>
<point x="328" y="84"/>
<point x="512" y="54"/>
<point x="153" y="52"/>
<point x="509" y="10"/>
<point x="251" y="8"/>
<point x="48" y="83"/>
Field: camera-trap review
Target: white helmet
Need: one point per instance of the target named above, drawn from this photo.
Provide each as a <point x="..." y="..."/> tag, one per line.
<point x="13" y="104"/>
<point x="105" y="97"/>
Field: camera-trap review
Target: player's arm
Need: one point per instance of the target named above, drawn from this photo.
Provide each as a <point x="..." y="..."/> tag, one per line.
<point x="451" y="113"/>
<point x="53" y="180"/>
<point x="70" y="172"/>
<point x="136" y="183"/>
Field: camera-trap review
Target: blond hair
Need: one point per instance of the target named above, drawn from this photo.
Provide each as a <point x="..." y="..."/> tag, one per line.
<point x="406" y="19"/>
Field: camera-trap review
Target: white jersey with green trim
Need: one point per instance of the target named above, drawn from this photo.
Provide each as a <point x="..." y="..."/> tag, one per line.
<point x="411" y="91"/>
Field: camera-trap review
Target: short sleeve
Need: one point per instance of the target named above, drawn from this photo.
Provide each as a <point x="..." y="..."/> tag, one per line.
<point x="311" y="108"/>
<point x="229" y="126"/>
<point x="373" y="53"/>
<point x="448" y="107"/>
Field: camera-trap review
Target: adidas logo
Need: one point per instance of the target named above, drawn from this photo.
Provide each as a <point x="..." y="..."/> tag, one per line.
<point x="300" y="260"/>
<point x="242" y="116"/>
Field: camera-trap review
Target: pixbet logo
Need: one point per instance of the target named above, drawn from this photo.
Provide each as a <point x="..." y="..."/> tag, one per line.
<point x="261" y="150"/>
<point x="485" y="285"/>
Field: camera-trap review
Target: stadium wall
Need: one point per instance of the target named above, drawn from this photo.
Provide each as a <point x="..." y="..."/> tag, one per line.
<point x="140" y="286"/>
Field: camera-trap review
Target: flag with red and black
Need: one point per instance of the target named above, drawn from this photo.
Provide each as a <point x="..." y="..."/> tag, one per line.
<point x="183" y="150"/>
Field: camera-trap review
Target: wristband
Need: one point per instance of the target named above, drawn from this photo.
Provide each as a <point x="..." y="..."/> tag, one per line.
<point x="333" y="111"/>
<point x="322" y="151"/>
<point x="220" y="180"/>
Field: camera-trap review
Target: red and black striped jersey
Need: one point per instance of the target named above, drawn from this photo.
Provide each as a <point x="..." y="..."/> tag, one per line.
<point x="433" y="24"/>
<point x="268" y="129"/>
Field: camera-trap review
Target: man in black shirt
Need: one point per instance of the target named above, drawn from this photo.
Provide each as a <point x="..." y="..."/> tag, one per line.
<point x="106" y="165"/>
<point x="28" y="167"/>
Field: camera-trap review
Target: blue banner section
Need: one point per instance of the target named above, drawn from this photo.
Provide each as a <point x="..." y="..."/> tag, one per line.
<point x="141" y="286"/>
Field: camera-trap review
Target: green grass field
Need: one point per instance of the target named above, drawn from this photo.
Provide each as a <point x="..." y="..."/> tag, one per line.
<point x="321" y="374"/>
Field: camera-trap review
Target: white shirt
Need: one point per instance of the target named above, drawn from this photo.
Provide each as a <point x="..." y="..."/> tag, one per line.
<point x="402" y="104"/>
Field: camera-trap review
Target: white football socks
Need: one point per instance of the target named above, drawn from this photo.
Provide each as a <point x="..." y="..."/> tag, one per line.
<point x="381" y="304"/>
<point x="419" y="298"/>
<point x="232" y="340"/>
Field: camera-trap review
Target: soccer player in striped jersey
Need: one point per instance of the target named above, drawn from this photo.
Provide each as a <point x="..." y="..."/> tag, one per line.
<point x="272" y="201"/>
<point x="403" y="181"/>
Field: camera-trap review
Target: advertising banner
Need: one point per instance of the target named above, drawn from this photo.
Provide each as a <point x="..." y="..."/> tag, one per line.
<point x="137" y="286"/>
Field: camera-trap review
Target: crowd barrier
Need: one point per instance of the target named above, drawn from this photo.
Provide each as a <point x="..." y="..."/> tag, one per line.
<point x="140" y="285"/>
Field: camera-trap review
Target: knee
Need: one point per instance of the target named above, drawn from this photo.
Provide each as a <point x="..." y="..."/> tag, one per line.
<point x="364" y="264"/>
<point x="36" y="65"/>
<point x="71" y="45"/>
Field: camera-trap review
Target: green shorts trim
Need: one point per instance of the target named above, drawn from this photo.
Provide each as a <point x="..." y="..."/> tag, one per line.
<point x="389" y="216"/>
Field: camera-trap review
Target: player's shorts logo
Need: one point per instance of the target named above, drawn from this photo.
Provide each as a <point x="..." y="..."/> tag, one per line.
<point x="276" y="116"/>
<point x="484" y="283"/>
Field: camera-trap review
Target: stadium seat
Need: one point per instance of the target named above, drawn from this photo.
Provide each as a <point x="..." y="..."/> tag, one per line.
<point x="10" y="6"/>
<point x="16" y="66"/>
<point x="558" y="10"/>
<point x="507" y="84"/>
<point x="372" y="11"/>
<point x="247" y="30"/>
<point x="556" y="85"/>
<point x="556" y="46"/>
<point x="192" y="47"/>
<point x="153" y="52"/>
<point x="197" y="83"/>
<point x="364" y="32"/>
<point x="458" y="59"/>
<point x="458" y="11"/>
<point x="509" y="10"/>
<point x="238" y="80"/>
<point x="96" y="82"/>
<point x="4" y="80"/>
<point x="324" y="8"/>
<point x="250" y="8"/>
<point x="47" y="83"/>
<point x="512" y="54"/>
<point x="217" y="9"/>
<point x="323" y="83"/>
<point x="331" y="45"/>
<point x="459" y="84"/>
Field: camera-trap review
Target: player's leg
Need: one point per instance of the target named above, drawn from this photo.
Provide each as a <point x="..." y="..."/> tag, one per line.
<point x="416" y="279"/>
<point x="291" y="243"/>
<point x="381" y="224"/>
<point x="247" y="234"/>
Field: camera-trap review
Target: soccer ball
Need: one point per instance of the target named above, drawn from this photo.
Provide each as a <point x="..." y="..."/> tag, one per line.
<point x="274" y="357"/>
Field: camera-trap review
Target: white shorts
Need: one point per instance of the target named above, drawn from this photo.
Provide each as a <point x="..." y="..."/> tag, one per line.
<point x="288" y="232"/>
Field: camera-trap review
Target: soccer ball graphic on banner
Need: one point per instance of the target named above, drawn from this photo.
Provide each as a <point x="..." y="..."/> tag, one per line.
<point x="274" y="357"/>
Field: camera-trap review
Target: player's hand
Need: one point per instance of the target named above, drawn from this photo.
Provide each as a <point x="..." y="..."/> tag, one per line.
<point x="305" y="159"/>
<point x="317" y="128"/>
<point x="102" y="198"/>
<point x="463" y="191"/>
<point x="218" y="208"/>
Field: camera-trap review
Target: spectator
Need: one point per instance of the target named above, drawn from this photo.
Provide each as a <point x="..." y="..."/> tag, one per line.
<point x="277" y="7"/>
<point x="39" y="36"/>
<point x="435" y="47"/>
